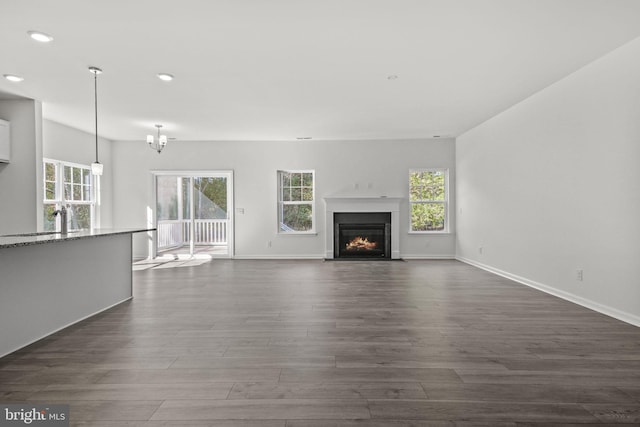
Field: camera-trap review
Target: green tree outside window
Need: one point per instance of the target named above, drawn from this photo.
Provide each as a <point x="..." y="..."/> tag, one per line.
<point x="428" y="200"/>
<point x="295" y="201"/>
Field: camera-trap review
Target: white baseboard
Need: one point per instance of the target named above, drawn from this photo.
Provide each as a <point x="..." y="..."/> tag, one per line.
<point x="428" y="257"/>
<point x="280" y="257"/>
<point x="592" y="305"/>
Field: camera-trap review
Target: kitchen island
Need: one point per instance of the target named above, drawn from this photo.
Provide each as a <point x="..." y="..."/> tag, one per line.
<point x="49" y="281"/>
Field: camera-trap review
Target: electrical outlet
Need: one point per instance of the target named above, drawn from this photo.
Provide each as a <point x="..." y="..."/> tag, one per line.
<point x="579" y="275"/>
<point x="269" y="243"/>
<point x="480" y="250"/>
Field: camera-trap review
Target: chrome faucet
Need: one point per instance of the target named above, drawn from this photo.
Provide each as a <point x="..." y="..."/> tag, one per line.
<point x="63" y="219"/>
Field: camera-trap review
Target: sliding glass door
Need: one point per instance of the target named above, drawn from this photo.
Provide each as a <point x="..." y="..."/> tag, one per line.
<point x="193" y="213"/>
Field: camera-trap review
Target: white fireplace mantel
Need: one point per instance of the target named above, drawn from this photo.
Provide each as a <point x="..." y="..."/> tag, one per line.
<point x="363" y="204"/>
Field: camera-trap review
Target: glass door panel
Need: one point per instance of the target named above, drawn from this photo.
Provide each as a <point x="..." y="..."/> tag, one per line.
<point x="169" y="212"/>
<point x="193" y="213"/>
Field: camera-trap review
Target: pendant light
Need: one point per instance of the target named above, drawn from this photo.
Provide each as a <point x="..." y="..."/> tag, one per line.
<point x="96" y="167"/>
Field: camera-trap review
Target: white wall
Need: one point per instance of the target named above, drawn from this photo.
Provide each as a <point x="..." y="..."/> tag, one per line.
<point x="339" y="165"/>
<point x="68" y="144"/>
<point x="20" y="180"/>
<point x="552" y="185"/>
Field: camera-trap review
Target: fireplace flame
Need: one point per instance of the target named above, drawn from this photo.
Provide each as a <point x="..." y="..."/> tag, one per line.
<point x="361" y="244"/>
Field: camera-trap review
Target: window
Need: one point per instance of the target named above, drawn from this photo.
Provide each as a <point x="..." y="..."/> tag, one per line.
<point x="428" y="198"/>
<point x="69" y="185"/>
<point x="296" y="202"/>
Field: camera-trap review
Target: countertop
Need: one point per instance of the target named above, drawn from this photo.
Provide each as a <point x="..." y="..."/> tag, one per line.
<point x="27" y="239"/>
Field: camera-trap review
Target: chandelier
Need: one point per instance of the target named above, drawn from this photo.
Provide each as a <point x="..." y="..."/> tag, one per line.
<point x="160" y="143"/>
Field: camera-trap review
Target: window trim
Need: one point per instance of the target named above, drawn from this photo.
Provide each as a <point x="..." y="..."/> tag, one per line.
<point x="281" y="202"/>
<point x="445" y="202"/>
<point x="59" y="199"/>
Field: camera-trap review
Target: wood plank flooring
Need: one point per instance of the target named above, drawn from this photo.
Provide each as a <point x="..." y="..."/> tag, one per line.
<point x="233" y="343"/>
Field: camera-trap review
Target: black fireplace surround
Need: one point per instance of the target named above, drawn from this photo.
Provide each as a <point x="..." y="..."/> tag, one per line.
<point x="362" y="235"/>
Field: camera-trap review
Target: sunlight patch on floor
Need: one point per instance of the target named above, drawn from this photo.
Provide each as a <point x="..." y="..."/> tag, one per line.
<point x="172" y="261"/>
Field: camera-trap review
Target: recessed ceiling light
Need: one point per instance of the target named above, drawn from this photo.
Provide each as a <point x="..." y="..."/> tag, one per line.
<point x="39" y="36"/>
<point x="13" y="78"/>
<point x="302" y="138"/>
<point x="165" y="77"/>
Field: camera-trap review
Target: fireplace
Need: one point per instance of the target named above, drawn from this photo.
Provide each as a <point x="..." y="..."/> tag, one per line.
<point x="355" y="205"/>
<point x="362" y="235"/>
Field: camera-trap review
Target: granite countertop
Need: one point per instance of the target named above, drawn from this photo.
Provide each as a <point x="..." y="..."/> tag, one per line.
<point x="26" y="239"/>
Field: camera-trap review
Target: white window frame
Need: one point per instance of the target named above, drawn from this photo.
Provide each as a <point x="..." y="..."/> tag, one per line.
<point x="282" y="202"/>
<point x="444" y="202"/>
<point x="59" y="199"/>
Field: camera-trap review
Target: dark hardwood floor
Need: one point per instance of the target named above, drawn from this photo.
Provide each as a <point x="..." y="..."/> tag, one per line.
<point x="327" y="344"/>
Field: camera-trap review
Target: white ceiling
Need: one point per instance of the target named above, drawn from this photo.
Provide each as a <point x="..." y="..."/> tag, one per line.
<point x="281" y="69"/>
